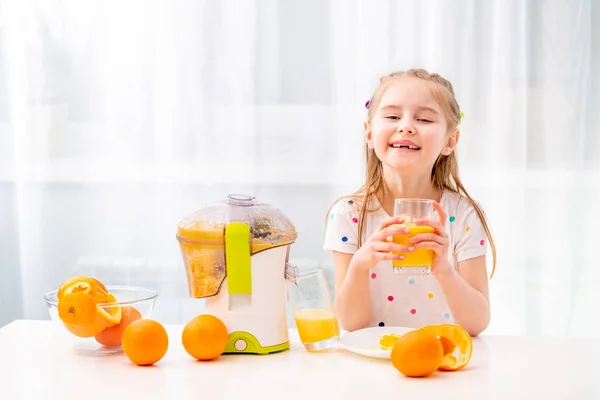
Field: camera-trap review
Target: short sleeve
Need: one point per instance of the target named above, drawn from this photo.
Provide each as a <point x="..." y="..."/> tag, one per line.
<point x="342" y="228"/>
<point x="471" y="239"/>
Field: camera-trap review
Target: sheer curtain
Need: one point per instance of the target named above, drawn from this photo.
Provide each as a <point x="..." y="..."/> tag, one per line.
<point x="119" y="118"/>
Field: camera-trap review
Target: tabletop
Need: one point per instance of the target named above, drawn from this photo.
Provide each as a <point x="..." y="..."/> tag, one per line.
<point x="38" y="362"/>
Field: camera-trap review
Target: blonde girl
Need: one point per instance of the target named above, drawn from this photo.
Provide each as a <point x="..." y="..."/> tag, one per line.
<point x="411" y="134"/>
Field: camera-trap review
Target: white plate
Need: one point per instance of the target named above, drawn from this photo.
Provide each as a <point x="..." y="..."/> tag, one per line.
<point x="366" y="341"/>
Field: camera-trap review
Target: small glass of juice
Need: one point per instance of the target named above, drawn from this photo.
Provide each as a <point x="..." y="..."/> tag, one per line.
<point x="419" y="261"/>
<point x="312" y="308"/>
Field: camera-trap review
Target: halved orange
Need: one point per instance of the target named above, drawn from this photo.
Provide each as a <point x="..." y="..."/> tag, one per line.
<point x="448" y="345"/>
<point x="111" y="314"/>
<point x="457" y="343"/>
<point x="77" y="309"/>
<point x="86" y="284"/>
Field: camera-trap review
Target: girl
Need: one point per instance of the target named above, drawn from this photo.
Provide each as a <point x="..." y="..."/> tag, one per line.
<point x="411" y="134"/>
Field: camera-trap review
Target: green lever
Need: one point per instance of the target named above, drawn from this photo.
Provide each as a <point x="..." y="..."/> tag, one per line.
<point x="237" y="258"/>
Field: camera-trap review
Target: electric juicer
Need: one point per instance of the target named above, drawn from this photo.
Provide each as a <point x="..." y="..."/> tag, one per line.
<point x="236" y="256"/>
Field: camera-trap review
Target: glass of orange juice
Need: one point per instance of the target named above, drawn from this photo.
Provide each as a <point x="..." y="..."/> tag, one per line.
<point x="312" y="307"/>
<point x="419" y="261"/>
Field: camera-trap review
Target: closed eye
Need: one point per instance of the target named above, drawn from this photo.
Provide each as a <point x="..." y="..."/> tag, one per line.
<point x="394" y="117"/>
<point x="423" y="120"/>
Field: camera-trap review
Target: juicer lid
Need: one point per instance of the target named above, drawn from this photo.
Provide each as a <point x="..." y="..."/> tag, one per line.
<point x="269" y="227"/>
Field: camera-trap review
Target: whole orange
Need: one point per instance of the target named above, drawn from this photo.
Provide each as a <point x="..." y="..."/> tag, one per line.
<point x="205" y="337"/>
<point x="77" y="309"/>
<point x="112" y="336"/>
<point x="89" y="330"/>
<point x="145" y="341"/>
<point x="417" y="353"/>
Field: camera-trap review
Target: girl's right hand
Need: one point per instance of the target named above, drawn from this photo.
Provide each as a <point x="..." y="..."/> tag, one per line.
<point x="379" y="248"/>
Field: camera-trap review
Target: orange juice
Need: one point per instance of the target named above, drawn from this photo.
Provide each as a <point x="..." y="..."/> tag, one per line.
<point x="418" y="258"/>
<point x="316" y="325"/>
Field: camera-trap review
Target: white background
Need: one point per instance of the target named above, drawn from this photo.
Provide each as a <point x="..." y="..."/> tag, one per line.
<point x="119" y="118"/>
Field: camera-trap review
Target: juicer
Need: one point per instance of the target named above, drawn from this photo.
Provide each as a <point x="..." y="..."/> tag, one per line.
<point x="236" y="255"/>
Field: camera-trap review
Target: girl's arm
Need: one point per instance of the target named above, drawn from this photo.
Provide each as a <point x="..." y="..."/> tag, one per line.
<point x="353" y="300"/>
<point x="465" y="289"/>
<point x="467" y="294"/>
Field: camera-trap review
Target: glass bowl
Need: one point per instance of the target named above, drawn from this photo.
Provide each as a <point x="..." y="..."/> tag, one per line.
<point x="104" y="336"/>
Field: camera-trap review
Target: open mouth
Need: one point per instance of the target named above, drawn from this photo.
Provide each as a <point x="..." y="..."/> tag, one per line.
<point x="404" y="146"/>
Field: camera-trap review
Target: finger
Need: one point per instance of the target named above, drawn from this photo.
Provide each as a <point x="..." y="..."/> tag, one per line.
<point x="436" y="225"/>
<point x="442" y="214"/>
<point x="428" y="237"/>
<point x="390" y="256"/>
<point x="436" y="247"/>
<point x="390" y="221"/>
<point x="388" y="247"/>
<point x="391" y="231"/>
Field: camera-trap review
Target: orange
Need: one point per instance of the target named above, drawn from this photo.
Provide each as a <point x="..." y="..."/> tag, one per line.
<point x="81" y="283"/>
<point x="447" y="345"/>
<point x="101" y="317"/>
<point x="205" y="337"/>
<point x="417" y="353"/>
<point x="145" y="341"/>
<point x="112" y="314"/>
<point x="88" y="330"/>
<point x="77" y="309"/>
<point x="112" y="336"/>
<point x="458" y="345"/>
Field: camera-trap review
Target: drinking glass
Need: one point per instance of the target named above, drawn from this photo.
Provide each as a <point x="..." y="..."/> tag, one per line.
<point x="312" y="308"/>
<point x="419" y="261"/>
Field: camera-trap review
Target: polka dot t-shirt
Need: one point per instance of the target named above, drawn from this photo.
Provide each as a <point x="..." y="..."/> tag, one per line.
<point x="400" y="300"/>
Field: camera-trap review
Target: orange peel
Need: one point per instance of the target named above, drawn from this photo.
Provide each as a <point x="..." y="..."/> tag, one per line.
<point x="457" y="344"/>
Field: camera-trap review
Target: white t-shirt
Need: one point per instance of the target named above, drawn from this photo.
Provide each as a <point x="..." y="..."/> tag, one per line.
<point x="400" y="300"/>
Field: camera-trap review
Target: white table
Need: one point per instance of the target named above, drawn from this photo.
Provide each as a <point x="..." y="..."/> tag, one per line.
<point x="38" y="362"/>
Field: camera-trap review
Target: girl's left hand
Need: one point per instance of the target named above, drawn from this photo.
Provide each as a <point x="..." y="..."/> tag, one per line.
<point x="438" y="241"/>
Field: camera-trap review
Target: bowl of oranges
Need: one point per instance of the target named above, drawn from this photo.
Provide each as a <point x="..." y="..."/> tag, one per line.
<point x="98" y="314"/>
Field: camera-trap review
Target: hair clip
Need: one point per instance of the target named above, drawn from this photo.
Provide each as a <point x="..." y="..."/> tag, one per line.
<point x="367" y="104"/>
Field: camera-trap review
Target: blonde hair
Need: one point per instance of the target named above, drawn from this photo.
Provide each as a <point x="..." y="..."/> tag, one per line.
<point x="444" y="174"/>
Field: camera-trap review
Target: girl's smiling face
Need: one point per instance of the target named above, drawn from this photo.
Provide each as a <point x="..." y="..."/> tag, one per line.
<point x="408" y="130"/>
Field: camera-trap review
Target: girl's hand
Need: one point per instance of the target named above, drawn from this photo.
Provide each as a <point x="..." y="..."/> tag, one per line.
<point x="378" y="247"/>
<point x="438" y="241"/>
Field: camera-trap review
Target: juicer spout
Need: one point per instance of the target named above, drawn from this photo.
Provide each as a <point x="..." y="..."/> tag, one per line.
<point x="291" y="273"/>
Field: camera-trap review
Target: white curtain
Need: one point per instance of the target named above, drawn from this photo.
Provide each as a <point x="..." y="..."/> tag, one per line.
<point x="118" y="118"/>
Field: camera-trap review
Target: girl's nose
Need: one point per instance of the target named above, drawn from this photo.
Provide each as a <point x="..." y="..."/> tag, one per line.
<point x="405" y="129"/>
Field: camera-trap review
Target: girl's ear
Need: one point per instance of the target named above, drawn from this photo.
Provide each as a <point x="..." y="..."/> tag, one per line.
<point x="451" y="143"/>
<point x="368" y="134"/>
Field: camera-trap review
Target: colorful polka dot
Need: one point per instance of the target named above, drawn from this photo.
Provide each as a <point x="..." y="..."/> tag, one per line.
<point x="411" y="281"/>
<point x="430" y="295"/>
<point x="382" y="324"/>
<point x="468" y="229"/>
<point x="344" y="239"/>
<point x="373" y="275"/>
<point x="331" y="216"/>
<point x="452" y="254"/>
<point x="452" y="218"/>
<point x="447" y="316"/>
<point x="350" y="202"/>
<point x="482" y="242"/>
<point x="355" y="220"/>
<point x="413" y="311"/>
<point x="390" y="298"/>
